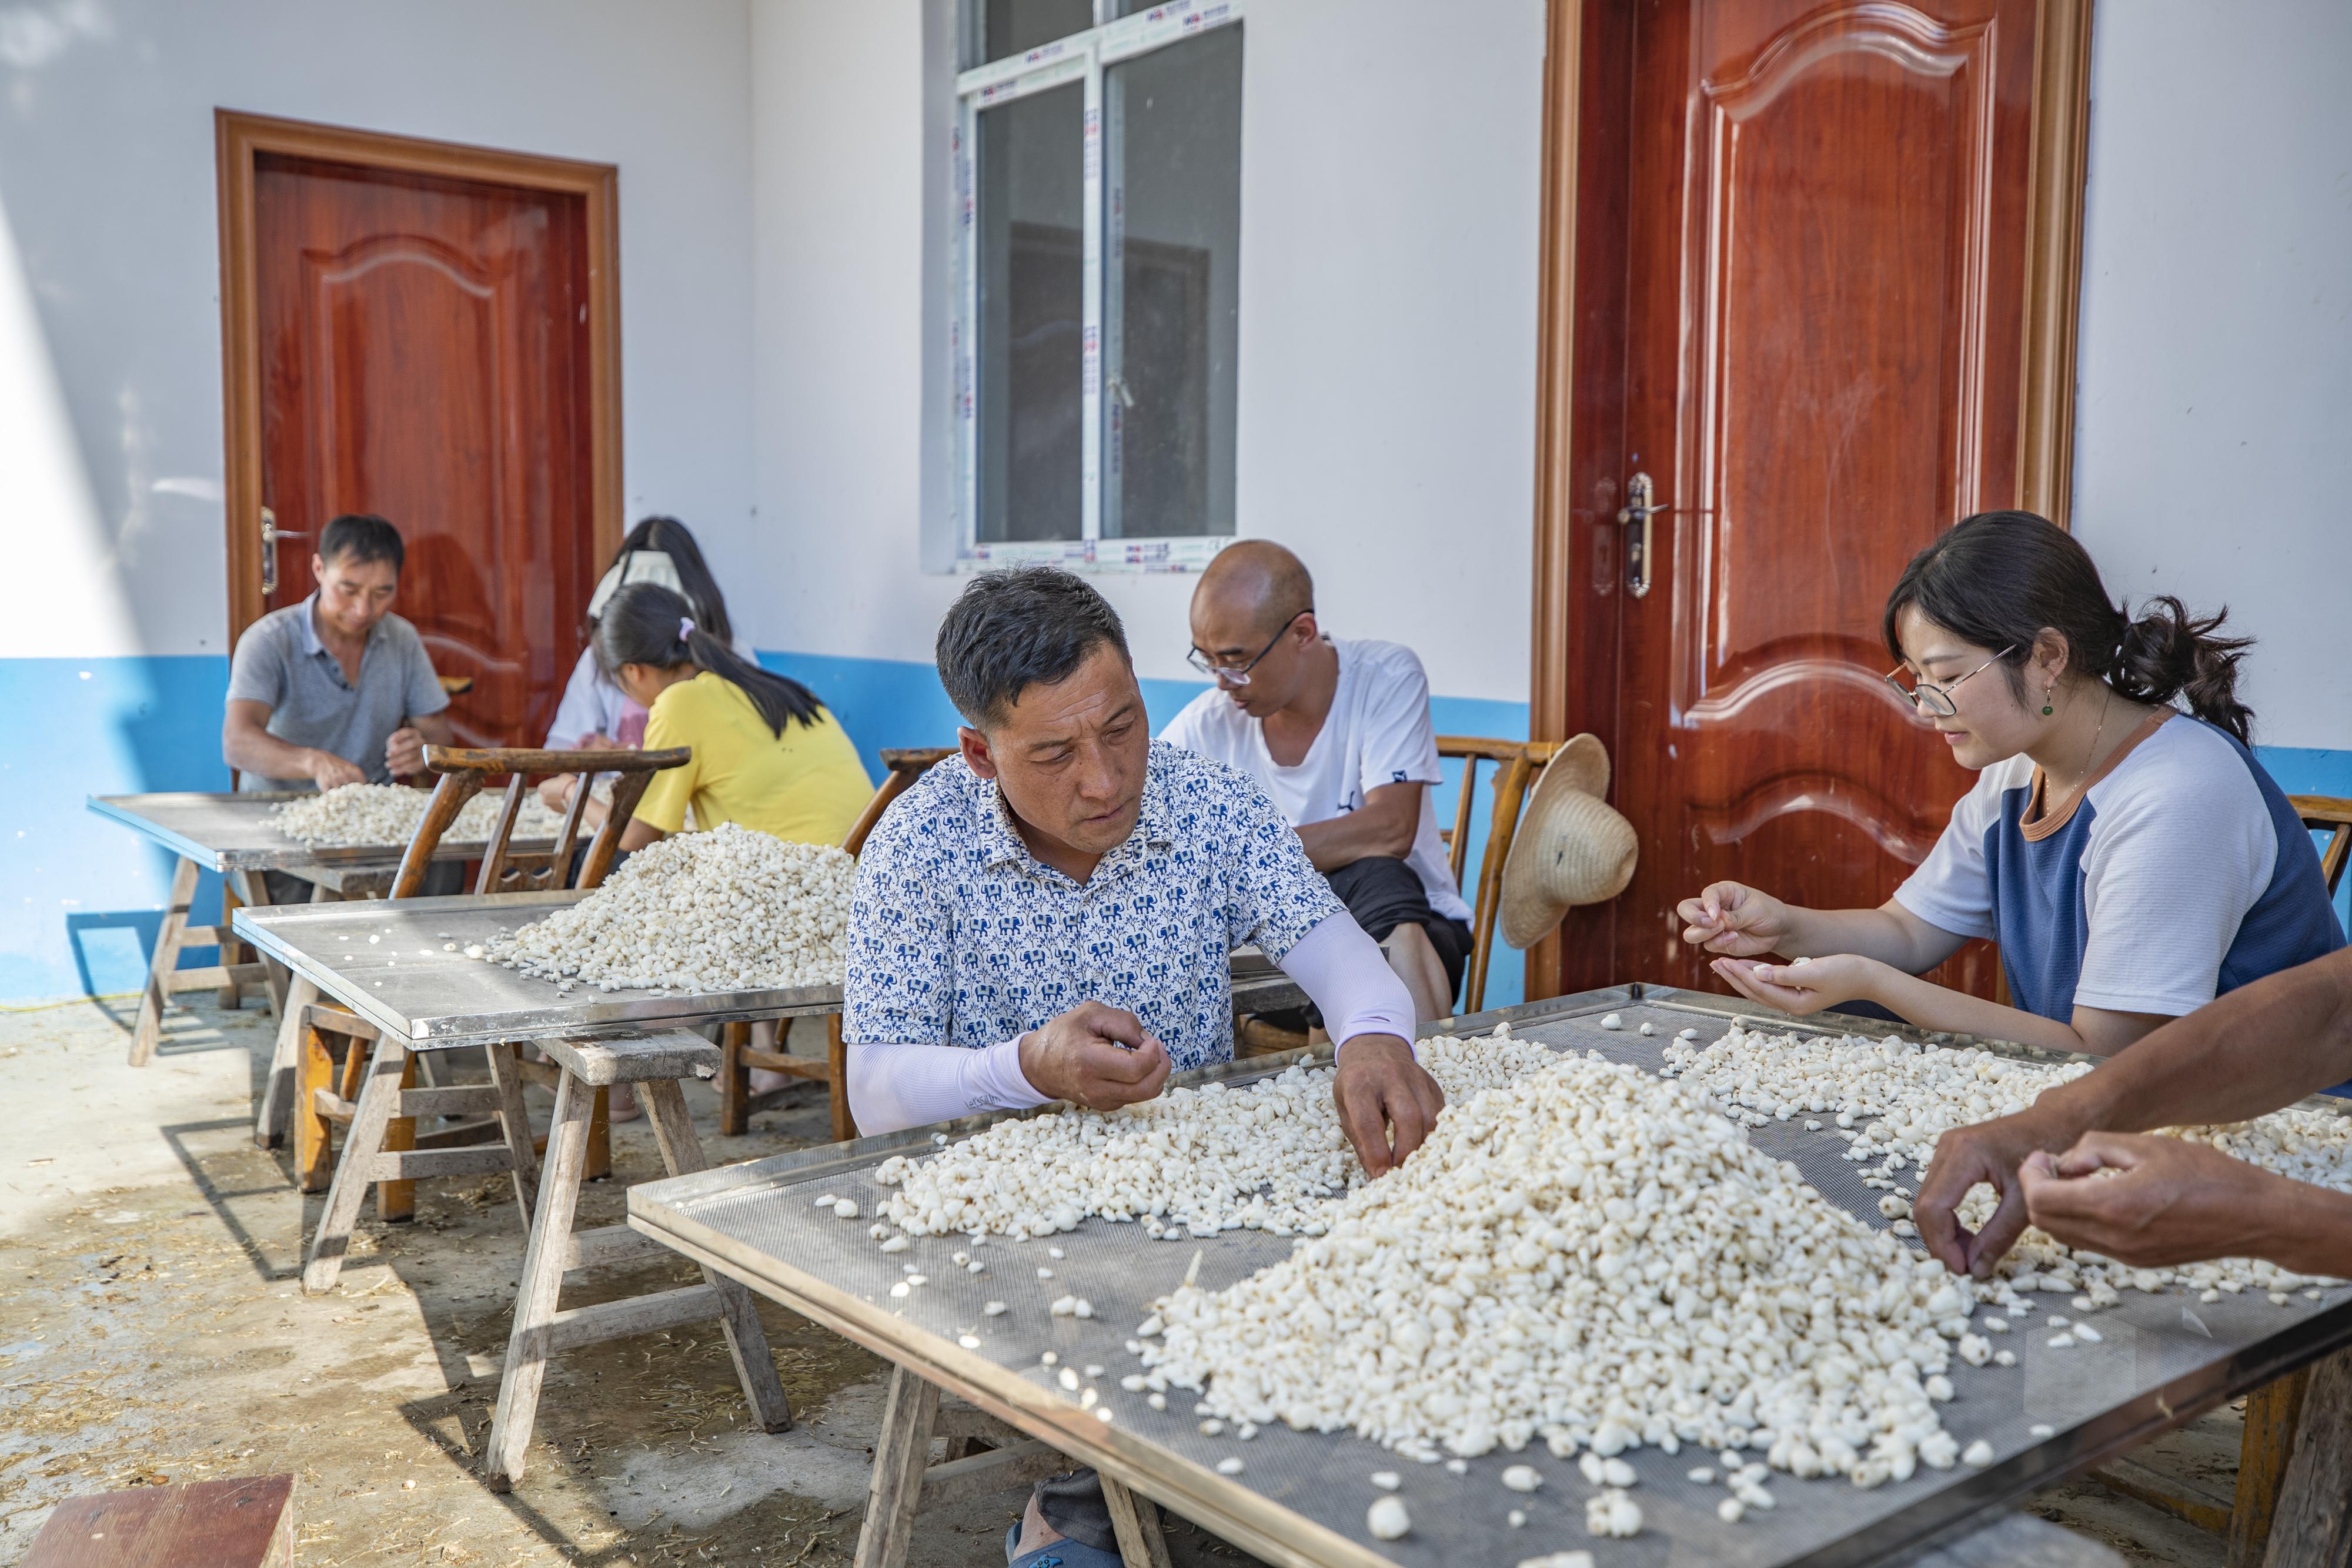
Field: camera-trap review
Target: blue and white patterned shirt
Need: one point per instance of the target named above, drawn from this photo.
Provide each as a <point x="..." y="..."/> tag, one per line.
<point x="959" y="935"/>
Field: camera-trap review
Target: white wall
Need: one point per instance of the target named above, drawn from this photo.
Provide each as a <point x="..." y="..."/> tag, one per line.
<point x="110" y="334"/>
<point x="1387" y="360"/>
<point x="2213" y="454"/>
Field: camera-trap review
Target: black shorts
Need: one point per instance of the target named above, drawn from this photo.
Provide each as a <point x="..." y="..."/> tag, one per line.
<point x="1383" y="894"/>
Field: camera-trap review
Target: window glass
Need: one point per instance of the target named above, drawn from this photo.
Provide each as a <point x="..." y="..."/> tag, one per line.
<point x="1030" y="155"/>
<point x="1171" y="325"/>
<point x="1016" y="26"/>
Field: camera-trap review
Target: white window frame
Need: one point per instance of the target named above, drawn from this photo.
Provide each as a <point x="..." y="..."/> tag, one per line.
<point x="1082" y="57"/>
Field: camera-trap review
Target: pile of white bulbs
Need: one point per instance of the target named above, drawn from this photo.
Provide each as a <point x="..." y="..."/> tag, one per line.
<point x="1595" y="1257"/>
<point x="730" y="909"/>
<point x="1892" y="1100"/>
<point x="1269" y="1157"/>
<point x="357" y="815"/>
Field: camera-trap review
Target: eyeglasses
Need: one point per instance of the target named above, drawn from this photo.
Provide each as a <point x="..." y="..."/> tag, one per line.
<point x="1227" y="674"/>
<point x="1938" y="698"/>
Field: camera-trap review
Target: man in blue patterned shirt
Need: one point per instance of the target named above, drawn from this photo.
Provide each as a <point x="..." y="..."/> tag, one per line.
<point x="1050" y="916"/>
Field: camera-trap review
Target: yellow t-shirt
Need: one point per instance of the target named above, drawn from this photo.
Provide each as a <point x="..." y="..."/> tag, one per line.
<point x="805" y="786"/>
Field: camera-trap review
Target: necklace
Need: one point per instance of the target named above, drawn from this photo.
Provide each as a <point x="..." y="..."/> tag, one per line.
<point x="2091" y="756"/>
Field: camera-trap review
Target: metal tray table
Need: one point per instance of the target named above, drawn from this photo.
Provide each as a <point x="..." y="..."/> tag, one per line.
<point x="231" y="833"/>
<point x="1302" y="1495"/>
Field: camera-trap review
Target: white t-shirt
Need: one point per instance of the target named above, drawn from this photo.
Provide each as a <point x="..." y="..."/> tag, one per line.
<point x="2180" y="873"/>
<point x="1377" y="732"/>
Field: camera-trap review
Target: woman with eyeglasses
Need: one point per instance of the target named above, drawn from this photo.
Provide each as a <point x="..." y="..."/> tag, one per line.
<point x="2133" y="860"/>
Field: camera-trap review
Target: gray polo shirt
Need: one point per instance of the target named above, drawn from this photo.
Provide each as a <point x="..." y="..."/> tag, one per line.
<point x="281" y="661"/>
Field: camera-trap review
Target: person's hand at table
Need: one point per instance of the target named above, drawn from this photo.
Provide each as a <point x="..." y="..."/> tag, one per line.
<point x="1809" y="986"/>
<point x="1096" y="1056"/>
<point x="1988" y="1152"/>
<point x="403" y="754"/>
<point x="328" y="771"/>
<point x="2152" y="1201"/>
<point x="1387" y="1101"/>
<point x="1733" y="918"/>
<point x="555" y="790"/>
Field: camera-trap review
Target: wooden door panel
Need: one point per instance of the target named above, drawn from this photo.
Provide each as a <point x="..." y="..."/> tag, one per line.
<point x="1823" y="262"/>
<point x="424" y="350"/>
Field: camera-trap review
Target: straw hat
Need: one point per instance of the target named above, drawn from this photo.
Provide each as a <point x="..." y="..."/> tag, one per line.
<point x="1572" y="847"/>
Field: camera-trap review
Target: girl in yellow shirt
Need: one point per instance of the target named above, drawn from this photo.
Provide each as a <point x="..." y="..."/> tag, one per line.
<point x="766" y="754"/>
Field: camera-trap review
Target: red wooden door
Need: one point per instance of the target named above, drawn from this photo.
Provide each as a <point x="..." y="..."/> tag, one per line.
<point x="424" y="355"/>
<point x="1817" y="308"/>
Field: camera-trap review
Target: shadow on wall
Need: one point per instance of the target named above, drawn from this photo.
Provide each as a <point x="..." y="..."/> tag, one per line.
<point x="80" y="897"/>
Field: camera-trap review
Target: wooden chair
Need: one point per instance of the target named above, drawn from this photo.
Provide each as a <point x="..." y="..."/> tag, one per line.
<point x="746" y="1045"/>
<point x="372" y="1090"/>
<point x="1516" y="763"/>
<point x="2331" y="815"/>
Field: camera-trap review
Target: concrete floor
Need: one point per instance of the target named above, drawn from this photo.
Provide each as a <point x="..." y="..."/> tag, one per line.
<point x="152" y="1332"/>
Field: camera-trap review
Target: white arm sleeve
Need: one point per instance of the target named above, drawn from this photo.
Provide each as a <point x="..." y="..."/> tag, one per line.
<point x="1348" y="976"/>
<point x="893" y="1086"/>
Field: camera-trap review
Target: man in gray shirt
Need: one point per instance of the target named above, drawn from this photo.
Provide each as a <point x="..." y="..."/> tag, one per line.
<point x="337" y="689"/>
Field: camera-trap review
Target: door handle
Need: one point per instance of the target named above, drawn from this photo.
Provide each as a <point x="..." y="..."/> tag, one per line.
<point x="270" y="534"/>
<point x="1639" y="508"/>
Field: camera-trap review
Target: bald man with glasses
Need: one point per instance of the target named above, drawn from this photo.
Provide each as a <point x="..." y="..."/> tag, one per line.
<point x="1337" y="731"/>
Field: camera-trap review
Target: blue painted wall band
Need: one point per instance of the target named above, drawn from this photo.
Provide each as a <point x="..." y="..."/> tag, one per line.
<point x="81" y="898"/>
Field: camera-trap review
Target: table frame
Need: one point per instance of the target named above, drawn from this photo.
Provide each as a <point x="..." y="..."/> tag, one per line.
<point x="1258" y="1524"/>
<point x="358" y="870"/>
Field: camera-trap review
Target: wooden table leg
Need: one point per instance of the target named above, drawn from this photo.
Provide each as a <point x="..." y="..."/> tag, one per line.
<point x="901" y="1450"/>
<point x="232" y="951"/>
<point x="837" y="1057"/>
<point x="542" y="1283"/>
<point x="314" y="1158"/>
<point x="1135" y="1519"/>
<point x="148" y="1031"/>
<point x="2311" y="1526"/>
<point x="2273" y="1413"/>
<point x="600" y="1138"/>
<point x="278" y="1089"/>
<point x="734" y="1080"/>
<point x="514" y="1123"/>
<point x="755" y="1365"/>
<point x="395" y="1201"/>
<point x="379" y="1097"/>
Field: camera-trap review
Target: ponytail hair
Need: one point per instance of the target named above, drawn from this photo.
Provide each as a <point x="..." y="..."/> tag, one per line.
<point x="645" y="623"/>
<point x="2002" y="579"/>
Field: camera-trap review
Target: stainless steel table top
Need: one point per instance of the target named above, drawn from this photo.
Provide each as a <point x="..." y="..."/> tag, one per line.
<point x="401" y="966"/>
<point x="232" y="832"/>
<point x="1302" y="1496"/>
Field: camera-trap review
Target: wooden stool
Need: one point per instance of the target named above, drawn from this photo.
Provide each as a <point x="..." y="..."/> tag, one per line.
<point x="246" y="1523"/>
<point x="327" y="1087"/>
<point x="655" y="1063"/>
<point x="904" y="1478"/>
<point x="374" y="1150"/>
